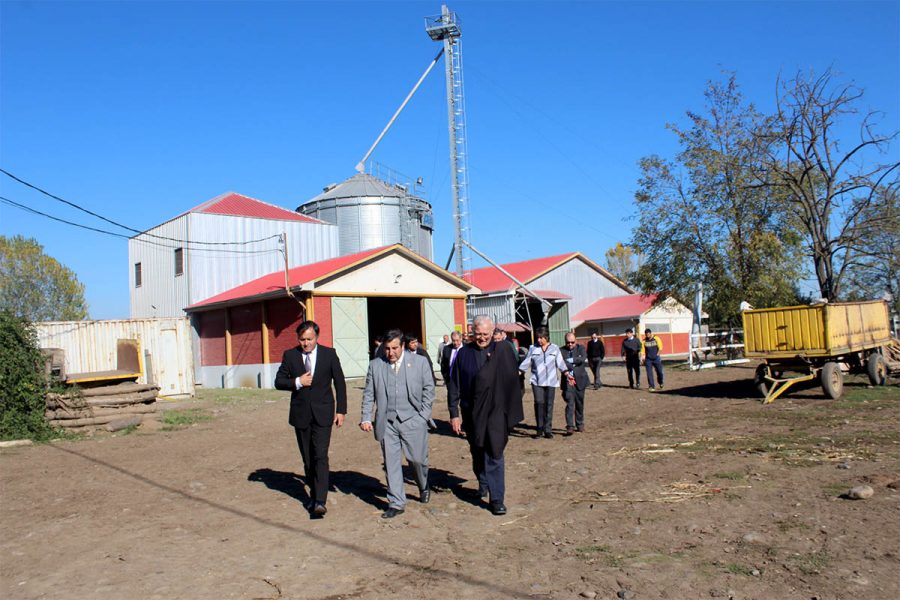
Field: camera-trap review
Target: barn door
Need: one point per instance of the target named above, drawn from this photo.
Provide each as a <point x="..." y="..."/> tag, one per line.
<point x="350" y="327"/>
<point x="558" y="323"/>
<point x="438" y="323"/>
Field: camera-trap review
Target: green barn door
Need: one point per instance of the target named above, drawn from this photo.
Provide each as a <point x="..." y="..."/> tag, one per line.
<point x="350" y="327"/>
<point x="558" y="323"/>
<point x="438" y="323"/>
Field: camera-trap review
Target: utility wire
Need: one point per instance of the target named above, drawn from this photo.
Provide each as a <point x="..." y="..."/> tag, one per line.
<point x="137" y="231"/>
<point x="25" y="208"/>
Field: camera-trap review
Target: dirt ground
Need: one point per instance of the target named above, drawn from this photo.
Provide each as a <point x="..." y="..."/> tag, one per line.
<point x="696" y="492"/>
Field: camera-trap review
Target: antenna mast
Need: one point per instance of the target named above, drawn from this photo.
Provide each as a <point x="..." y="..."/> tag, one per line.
<point x="445" y="28"/>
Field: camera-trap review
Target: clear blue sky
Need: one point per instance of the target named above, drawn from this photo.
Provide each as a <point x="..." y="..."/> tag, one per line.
<point x="140" y="110"/>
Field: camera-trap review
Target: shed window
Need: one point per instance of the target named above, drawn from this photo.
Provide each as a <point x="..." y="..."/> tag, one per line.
<point x="137" y="275"/>
<point x="179" y="261"/>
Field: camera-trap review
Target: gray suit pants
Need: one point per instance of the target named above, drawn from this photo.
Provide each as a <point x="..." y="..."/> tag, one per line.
<point x="410" y="438"/>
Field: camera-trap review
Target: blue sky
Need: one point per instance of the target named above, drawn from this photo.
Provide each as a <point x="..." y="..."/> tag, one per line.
<point x="140" y="110"/>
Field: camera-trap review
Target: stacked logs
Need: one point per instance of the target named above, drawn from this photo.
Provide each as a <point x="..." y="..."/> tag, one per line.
<point x="113" y="406"/>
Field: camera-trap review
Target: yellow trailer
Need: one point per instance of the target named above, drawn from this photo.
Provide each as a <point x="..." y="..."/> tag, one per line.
<point x="813" y="342"/>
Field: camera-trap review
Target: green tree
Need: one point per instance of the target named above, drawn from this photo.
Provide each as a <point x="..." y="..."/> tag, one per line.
<point x="702" y="217"/>
<point x="35" y="286"/>
<point x="22" y="381"/>
<point x="622" y="261"/>
<point x="833" y="188"/>
<point x="876" y="269"/>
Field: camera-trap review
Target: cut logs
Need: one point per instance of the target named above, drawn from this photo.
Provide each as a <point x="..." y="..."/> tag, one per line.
<point x="96" y="407"/>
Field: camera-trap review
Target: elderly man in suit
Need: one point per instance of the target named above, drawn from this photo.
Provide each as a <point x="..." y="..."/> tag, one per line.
<point x="400" y="389"/>
<point x="448" y="355"/>
<point x="308" y="372"/>
<point x="573" y="389"/>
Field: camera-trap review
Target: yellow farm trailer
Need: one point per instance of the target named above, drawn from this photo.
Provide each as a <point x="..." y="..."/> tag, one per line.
<point x="818" y="341"/>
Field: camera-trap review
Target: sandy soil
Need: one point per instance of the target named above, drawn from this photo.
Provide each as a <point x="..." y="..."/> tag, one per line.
<point x="696" y="492"/>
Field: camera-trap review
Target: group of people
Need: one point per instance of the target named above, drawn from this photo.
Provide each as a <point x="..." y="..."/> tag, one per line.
<point x="484" y="398"/>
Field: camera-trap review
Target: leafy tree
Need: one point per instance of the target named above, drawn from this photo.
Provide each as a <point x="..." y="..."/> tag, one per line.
<point x="703" y="218"/>
<point x="622" y="261"/>
<point x="876" y="269"/>
<point x="22" y="381"/>
<point x="834" y="190"/>
<point x="35" y="286"/>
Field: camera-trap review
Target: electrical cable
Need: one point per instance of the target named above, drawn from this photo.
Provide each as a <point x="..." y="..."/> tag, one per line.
<point x="110" y="221"/>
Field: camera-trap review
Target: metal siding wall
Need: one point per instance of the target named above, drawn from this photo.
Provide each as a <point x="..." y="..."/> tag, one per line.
<point x="581" y="282"/>
<point x="91" y="346"/>
<point x="160" y="288"/>
<point x="214" y="271"/>
<point x="496" y="307"/>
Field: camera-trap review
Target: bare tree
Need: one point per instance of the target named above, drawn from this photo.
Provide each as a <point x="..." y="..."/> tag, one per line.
<point x="835" y="190"/>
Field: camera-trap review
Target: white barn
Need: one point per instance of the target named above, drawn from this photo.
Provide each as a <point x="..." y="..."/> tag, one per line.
<point x="194" y="256"/>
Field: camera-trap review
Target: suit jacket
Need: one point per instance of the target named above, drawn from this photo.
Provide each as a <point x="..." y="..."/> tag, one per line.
<point x="313" y="404"/>
<point x="496" y="398"/>
<point x="596" y="350"/>
<point x="419" y="387"/>
<point x="579" y="358"/>
<point x="445" y="361"/>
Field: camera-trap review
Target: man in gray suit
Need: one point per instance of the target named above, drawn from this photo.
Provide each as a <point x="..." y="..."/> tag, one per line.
<point x="400" y="389"/>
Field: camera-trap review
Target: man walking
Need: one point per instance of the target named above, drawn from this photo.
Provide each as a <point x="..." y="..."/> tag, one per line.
<point x="448" y="355"/>
<point x="400" y="390"/>
<point x="308" y="372"/>
<point x="485" y="401"/>
<point x="596" y="352"/>
<point x="652" y="358"/>
<point x="631" y="352"/>
<point x="573" y="390"/>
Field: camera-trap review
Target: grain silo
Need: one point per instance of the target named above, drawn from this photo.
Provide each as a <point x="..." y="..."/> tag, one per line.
<point x="371" y="213"/>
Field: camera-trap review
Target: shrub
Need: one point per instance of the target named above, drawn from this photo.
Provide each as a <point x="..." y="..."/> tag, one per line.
<point x="23" y="382"/>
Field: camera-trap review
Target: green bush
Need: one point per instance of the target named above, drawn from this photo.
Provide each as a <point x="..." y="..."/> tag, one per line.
<point x="23" y="382"/>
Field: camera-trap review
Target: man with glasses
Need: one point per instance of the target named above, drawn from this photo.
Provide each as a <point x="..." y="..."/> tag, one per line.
<point x="485" y="401"/>
<point x="573" y="390"/>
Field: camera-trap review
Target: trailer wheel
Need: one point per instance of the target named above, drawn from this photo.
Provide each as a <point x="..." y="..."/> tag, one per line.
<point x="876" y="369"/>
<point x="762" y="386"/>
<point x="832" y="380"/>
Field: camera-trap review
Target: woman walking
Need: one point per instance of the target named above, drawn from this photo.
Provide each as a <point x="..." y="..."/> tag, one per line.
<point x="546" y="363"/>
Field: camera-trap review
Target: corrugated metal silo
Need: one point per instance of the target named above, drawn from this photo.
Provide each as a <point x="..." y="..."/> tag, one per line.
<point x="371" y="213"/>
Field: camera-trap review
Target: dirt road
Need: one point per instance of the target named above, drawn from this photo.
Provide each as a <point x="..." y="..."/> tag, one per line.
<point x="695" y="492"/>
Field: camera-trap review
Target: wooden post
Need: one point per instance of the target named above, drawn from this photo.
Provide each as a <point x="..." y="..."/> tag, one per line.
<point x="228" y="362"/>
<point x="265" y="333"/>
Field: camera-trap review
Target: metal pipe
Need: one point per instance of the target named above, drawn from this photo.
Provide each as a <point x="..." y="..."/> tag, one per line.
<point x="361" y="165"/>
<point x="524" y="287"/>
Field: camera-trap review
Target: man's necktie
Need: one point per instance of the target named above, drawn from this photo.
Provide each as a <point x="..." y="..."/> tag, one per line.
<point x="396" y="367"/>
<point x="307" y="364"/>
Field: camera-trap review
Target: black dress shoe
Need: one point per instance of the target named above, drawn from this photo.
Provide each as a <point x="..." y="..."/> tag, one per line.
<point x="391" y="512"/>
<point x="425" y="496"/>
<point x="498" y="508"/>
<point x="548" y="434"/>
<point x="318" y="509"/>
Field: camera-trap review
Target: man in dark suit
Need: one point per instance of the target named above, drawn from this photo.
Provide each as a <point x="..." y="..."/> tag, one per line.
<point x="596" y="352"/>
<point x="413" y="345"/>
<point x="308" y="372"/>
<point x="448" y="354"/>
<point x="573" y="392"/>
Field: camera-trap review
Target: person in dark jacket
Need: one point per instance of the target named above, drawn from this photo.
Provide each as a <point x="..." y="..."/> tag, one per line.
<point x="485" y="401"/>
<point x="573" y="389"/>
<point x="631" y="352"/>
<point x="308" y="372"/>
<point x="652" y="358"/>
<point x="448" y="355"/>
<point x="413" y="345"/>
<point x="596" y="352"/>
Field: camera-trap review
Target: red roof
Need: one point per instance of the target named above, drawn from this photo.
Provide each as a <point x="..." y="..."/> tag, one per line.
<point x="491" y="279"/>
<point x="296" y="277"/>
<point x="616" y="307"/>
<point x="231" y="203"/>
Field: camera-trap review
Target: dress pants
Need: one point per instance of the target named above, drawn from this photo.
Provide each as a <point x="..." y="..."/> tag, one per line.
<point x="595" y="371"/>
<point x="313" y="442"/>
<point x="489" y="471"/>
<point x="654" y="364"/>
<point x="574" y="407"/>
<point x="633" y="366"/>
<point x="543" y="407"/>
<point x="410" y="438"/>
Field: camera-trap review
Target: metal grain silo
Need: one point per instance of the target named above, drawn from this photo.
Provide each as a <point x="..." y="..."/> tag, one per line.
<point x="371" y="213"/>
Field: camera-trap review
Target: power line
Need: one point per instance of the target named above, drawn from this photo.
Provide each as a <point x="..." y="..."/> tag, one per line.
<point x="123" y="236"/>
<point x="117" y="224"/>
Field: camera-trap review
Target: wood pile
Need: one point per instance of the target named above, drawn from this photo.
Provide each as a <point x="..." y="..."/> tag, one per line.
<point x="113" y="406"/>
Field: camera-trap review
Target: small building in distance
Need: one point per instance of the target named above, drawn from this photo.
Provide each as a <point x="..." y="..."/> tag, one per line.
<point x="215" y="246"/>
<point x="244" y="331"/>
<point x="569" y="281"/>
<point x="610" y="317"/>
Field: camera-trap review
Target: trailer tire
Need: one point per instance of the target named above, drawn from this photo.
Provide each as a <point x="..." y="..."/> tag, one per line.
<point x="759" y="381"/>
<point x="832" y="380"/>
<point x="876" y="369"/>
